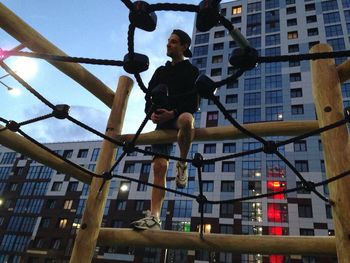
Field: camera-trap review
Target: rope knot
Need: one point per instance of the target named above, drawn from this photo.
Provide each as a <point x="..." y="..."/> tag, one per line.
<point x="13" y="126"/>
<point x="270" y="147"/>
<point x="61" y="111"/>
<point x="198" y="160"/>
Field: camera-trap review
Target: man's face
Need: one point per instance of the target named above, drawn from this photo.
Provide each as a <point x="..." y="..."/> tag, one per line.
<point x="174" y="47"/>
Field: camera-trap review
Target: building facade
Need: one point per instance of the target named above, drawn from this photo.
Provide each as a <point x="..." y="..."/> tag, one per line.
<point x="41" y="209"/>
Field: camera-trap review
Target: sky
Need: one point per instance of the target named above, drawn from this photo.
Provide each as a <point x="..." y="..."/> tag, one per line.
<point x="83" y="28"/>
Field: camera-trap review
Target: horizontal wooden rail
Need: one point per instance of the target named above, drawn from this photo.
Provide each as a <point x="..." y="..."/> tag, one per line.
<point x="25" y="34"/>
<point x="291" y="245"/>
<point x="22" y="145"/>
<point x="278" y="128"/>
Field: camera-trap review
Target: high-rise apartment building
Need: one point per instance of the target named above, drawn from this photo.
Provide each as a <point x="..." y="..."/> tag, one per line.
<point x="41" y="209"/>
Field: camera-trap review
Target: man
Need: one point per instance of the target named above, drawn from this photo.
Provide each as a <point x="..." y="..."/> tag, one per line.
<point x="179" y="76"/>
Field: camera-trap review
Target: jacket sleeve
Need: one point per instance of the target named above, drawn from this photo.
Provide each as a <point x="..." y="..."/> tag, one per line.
<point x="155" y="80"/>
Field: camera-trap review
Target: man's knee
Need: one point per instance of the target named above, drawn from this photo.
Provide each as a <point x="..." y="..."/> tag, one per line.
<point x="160" y="165"/>
<point x="185" y="121"/>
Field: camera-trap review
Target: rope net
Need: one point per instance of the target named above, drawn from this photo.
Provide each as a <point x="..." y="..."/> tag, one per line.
<point x="207" y="17"/>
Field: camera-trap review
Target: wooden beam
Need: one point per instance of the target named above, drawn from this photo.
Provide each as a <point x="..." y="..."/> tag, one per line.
<point x="242" y="244"/>
<point x="20" y="144"/>
<point x="336" y="149"/>
<point x="25" y="34"/>
<point x="86" y="239"/>
<point x="344" y="71"/>
<point x="278" y="128"/>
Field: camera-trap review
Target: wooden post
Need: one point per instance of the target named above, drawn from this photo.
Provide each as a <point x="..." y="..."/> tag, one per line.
<point x="86" y="239"/>
<point x="25" y="34"/>
<point x="329" y="107"/>
<point x="241" y="244"/>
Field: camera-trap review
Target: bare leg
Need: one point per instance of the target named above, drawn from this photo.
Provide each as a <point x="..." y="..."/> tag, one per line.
<point x="185" y="134"/>
<point x="160" y="166"/>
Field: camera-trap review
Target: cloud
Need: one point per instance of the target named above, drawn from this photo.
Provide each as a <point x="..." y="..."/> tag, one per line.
<point x="55" y="130"/>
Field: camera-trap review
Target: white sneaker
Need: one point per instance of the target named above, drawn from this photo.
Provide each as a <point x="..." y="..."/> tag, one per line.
<point x="181" y="175"/>
<point x="148" y="222"/>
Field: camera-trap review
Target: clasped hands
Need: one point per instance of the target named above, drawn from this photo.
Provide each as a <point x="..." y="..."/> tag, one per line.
<point x="162" y="115"/>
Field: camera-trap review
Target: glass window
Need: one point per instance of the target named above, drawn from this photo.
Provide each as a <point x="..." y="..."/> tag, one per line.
<point x="273" y="82"/>
<point x="227" y="186"/>
<point x="200" y="62"/>
<point x="202" y="38"/>
<point x="251" y="169"/>
<point x="312" y="32"/>
<point x="274" y="113"/>
<point x="56" y="186"/>
<point x="334" y="30"/>
<point x="310" y="7"/>
<point x="273" y="51"/>
<point x="330" y="18"/>
<point x="329" y="5"/>
<point x="277" y="213"/>
<point x="182" y="208"/>
<point x="292" y="22"/>
<point x="72" y="186"/>
<point x="273" y="97"/>
<point x="307" y="232"/>
<point x="273" y="68"/>
<point x="297" y="109"/>
<point x="229" y="148"/>
<point x="218" y="46"/>
<point x="271" y="4"/>
<point x="252" y="115"/>
<point x="252" y="84"/>
<point x="200" y="51"/>
<point x="346" y="90"/>
<point x="252" y="99"/>
<point x="129" y="167"/>
<point x="210" y="148"/>
<point x="346" y="3"/>
<point x="232" y="98"/>
<point x="83" y="153"/>
<point x="215" y="72"/>
<point x="121" y="205"/>
<point x="208" y="168"/>
<point x="252" y="211"/>
<point x="293" y="77"/>
<point x="207" y="208"/>
<point x="251" y="188"/>
<point x="236" y="10"/>
<point x="271" y="40"/>
<point x="236" y="20"/>
<point x="302" y="165"/>
<point x="208" y="186"/>
<point x="275" y="168"/>
<point x="254" y="7"/>
<point x="337" y="44"/>
<point x="8" y="158"/>
<point x="292" y="35"/>
<point x="311" y="19"/>
<point x="305" y="210"/>
<point x="255" y="42"/>
<point x="228" y="166"/>
<point x="212" y="118"/>
<point x="293" y="48"/>
<point x="300" y="146"/>
<point x="291" y="10"/>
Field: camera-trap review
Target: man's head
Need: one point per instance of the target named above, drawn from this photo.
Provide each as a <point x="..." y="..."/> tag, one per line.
<point x="178" y="44"/>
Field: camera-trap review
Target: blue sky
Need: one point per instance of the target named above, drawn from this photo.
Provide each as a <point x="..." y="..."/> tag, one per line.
<point x="83" y="28"/>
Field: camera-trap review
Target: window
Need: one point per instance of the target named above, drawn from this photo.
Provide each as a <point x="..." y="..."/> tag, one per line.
<point x="275" y="168"/>
<point x="145" y="168"/>
<point x="294" y="77"/>
<point x="276" y="186"/>
<point x="228" y="166"/>
<point x="251" y="115"/>
<point x="67" y="153"/>
<point x="346" y="3"/>
<point x="226" y="210"/>
<point x="296" y="93"/>
<point x="274" y="113"/>
<point x="294" y="63"/>
<point x="210" y="148"/>
<point x="277" y="213"/>
<point x="290" y="2"/>
<point x="273" y="97"/>
<point x="254" y="7"/>
<point x="233" y="98"/>
<point x="62" y="223"/>
<point x="271" y="40"/>
<point x="302" y="190"/>
<point x="45" y="222"/>
<point x="207" y="208"/>
<point x="95" y="154"/>
<point x="292" y="35"/>
<point x="201" y="38"/>
<point x="305" y="210"/>
<point x="292" y="22"/>
<point x="56" y="186"/>
<point x="139" y="205"/>
<point x="271" y="4"/>
<point x="121" y="205"/>
<point x="272" y="21"/>
<point x="236" y="20"/>
<point x="72" y="186"/>
<point x="329" y="212"/>
<point x="293" y="48"/>
<point x="68" y="204"/>
<point x="200" y="51"/>
<point x="291" y="10"/>
<point x="141" y="187"/>
<point x="329" y="5"/>
<point x="182" y="208"/>
<point x="300" y="146"/>
<point x="236" y="10"/>
<point x="346" y="90"/>
<point x="229" y="148"/>
<point x="311" y="19"/>
<point x="50" y="204"/>
<point x="129" y="167"/>
<point x="306" y="232"/>
<point x="212" y="118"/>
<point x="310" y="7"/>
<point x="330" y="18"/>
<point x="208" y="168"/>
<point x="220" y="33"/>
<point x="297" y="109"/>
<point x="337" y="44"/>
<point x="252" y="99"/>
<point x="208" y="186"/>
<point x="273" y="68"/>
<point x="252" y="84"/>
<point x="227" y="186"/>
<point x="55" y="244"/>
<point x="334" y="30"/>
<point x="83" y="153"/>
<point x="252" y="211"/>
<point x="215" y="72"/>
<point x="251" y="169"/>
<point x="302" y="166"/>
<point x="273" y="82"/>
<point x="218" y="46"/>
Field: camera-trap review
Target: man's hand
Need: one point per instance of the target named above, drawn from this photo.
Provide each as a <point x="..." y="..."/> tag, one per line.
<point x="162" y="115"/>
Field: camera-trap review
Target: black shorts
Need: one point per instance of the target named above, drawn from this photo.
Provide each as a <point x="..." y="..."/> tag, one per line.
<point x="167" y="147"/>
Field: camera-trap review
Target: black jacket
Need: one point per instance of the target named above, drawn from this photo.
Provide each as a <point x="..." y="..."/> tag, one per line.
<point x="180" y="79"/>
